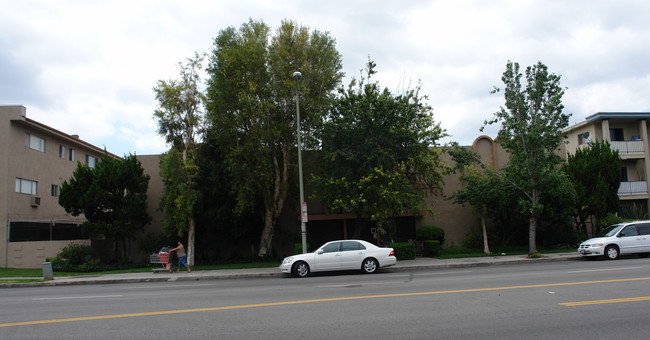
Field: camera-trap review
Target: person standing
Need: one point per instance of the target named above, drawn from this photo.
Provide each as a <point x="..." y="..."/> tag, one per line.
<point x="182" y="257"/>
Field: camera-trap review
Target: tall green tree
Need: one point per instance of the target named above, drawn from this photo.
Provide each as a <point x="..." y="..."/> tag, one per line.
<point x="532" y="124"/>
<point x="379" y="155"/>
<point x="180" y="120"/>
<point x="251" y="108"/>
<point x="112" y="197"/>
<point x="595" y="171"/>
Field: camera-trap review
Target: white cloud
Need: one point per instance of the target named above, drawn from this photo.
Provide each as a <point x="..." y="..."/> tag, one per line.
<point x="89" y="67"/>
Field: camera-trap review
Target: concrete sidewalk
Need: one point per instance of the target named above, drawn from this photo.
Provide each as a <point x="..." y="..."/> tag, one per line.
<point x="420" y="263"/>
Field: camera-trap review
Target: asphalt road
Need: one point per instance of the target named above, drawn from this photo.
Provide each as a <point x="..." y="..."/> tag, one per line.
<point x="557" y="300"/>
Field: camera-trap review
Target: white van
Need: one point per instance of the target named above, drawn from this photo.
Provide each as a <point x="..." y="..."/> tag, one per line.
<point x="619" y="239"/>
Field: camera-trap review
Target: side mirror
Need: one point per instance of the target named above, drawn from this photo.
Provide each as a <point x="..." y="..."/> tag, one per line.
<point x="320" y="251"/>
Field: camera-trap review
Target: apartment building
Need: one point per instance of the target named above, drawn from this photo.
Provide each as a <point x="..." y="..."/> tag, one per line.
<point x="628" y="133"/>
<point x="34" y="160"/>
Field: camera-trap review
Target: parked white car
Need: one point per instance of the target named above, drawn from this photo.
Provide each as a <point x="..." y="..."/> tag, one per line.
<point x="619" y="239"/>
<point x="340" y="255"/>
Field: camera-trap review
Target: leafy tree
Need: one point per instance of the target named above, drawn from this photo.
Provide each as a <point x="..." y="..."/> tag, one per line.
<point x="532" y="124"/>
<point x="378" y="155"/>
<point x="251" y="108"/>
<point x="595" y="173"/>
<point x="179" y="197"/>
<point x="112" y="197"/>
<point x="179" y="117"/>
<point x="558" y="196"/>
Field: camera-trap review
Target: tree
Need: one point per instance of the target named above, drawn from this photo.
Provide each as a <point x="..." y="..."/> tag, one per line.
<point x="112" y="197"/>
<point x="379" y="155"/>
<point x="251" y="108"/>
<point x="595" y="173"/>
<point x="532" y="124"/>
<point x="179" y="116"/>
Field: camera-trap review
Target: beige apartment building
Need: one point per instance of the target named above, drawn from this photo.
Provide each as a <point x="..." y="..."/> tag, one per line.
<point x="34" y="160"/>
<point x="628" y="133"/>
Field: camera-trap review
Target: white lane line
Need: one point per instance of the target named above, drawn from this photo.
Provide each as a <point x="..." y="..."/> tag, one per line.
<point x="78" y="297"/>
<point x="170" y="287"/>
<point x="359" y="284"/>
<point x="602" y="270"/>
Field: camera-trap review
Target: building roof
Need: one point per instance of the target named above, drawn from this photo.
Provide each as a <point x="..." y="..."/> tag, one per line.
<point x="617" y="115"/>
<point x="70" y="138"/>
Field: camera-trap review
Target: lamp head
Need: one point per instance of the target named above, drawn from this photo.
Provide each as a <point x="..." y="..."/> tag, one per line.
<point x="297" y="75"/>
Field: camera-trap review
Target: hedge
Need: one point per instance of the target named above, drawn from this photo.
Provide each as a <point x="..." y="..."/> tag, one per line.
<point x="403" y="251"/>
<point x="426" y="233"/>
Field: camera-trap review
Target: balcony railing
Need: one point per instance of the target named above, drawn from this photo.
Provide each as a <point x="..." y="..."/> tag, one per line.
<point x="628" y="146"/>
<point x="633" y="188"/>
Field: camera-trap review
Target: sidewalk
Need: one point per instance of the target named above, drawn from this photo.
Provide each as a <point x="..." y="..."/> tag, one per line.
<point x="420" y="263"/>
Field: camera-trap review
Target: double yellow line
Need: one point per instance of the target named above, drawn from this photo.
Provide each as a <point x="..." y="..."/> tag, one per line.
<point x="284" y="303"/>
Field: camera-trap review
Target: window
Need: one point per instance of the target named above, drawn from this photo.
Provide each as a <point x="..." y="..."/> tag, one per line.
<point x="55" y="190"/>
<point x="616" y="135"/>
<point x="90" y="161"/>
<point x="332" y="247"/>
<point x="62" y="151"/>
<point x="351" y="245"/>
<point x="643" y="228"/>
<point x="34" y="142"/>
<point x="72" y="155"/>
<point x="624" y="174"/>
<point x="26" y="186"/>
<point x="39" y="231"/>
<point x="629" y="231"/>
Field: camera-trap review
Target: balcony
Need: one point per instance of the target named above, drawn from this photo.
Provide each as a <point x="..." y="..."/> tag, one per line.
<point x="628" y="147"/>
<point x="633" y="188"/>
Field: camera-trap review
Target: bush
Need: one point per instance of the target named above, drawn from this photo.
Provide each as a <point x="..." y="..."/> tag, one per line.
<point x="403" y="251"/>
<point x="74" y="254"/>
<point x="297" y="248"/>
<point x="431" y="248"/>
<point x="426" y="233"/>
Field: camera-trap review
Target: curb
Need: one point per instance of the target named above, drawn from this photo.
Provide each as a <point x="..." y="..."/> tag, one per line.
<point x="198" y="276"/>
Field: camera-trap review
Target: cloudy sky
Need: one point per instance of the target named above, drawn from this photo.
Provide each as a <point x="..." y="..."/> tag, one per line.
<point x="88" y="67"/>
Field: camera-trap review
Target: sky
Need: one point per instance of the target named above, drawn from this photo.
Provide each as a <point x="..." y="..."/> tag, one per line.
<point x="89" y="67"/>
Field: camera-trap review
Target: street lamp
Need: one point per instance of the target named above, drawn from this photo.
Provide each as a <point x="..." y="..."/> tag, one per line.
<point x="303" y="204"/>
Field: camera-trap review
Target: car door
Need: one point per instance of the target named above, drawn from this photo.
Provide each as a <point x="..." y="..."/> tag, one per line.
<point x="629" y="240"/>
<point x="329" y="258"/>
<point x="644" y="233"/>
<point x="352" y="253"/>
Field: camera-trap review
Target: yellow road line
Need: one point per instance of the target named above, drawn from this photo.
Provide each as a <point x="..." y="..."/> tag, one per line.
<point x="599" y="302"/>
<point x="284" y="303"/>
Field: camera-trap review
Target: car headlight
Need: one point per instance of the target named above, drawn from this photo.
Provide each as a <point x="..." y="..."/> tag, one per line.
<point x="597" y="245"/>
<point x="287" y="260"/>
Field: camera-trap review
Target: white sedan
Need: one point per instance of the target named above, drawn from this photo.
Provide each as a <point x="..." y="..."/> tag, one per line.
<point x="340" y="255"/>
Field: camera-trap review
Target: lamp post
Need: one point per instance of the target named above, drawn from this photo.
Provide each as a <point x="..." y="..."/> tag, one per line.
<point x="303" y="204"/>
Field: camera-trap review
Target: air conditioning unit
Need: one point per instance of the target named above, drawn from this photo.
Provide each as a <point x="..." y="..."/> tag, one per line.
<point x="36" y="201"/>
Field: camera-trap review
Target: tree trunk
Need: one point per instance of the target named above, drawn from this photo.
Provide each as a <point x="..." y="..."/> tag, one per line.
<point x="190" y="241"/>
<point x="274" y="208"/>
<point x="486" y="248"/>
<point x="267" y="233"/>
<point x="532" y="229"/>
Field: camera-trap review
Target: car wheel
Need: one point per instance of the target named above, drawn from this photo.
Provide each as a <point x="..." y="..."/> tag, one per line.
<point x="369" y="266"/>
<point x="300" y="269"/>
<point x="611" y="252"/>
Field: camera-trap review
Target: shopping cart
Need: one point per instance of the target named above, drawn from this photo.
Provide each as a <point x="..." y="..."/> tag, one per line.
<point x="162" y="257"/>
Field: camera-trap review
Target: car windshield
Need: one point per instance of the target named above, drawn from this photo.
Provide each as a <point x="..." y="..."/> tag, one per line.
<point x="610" y="231"/>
